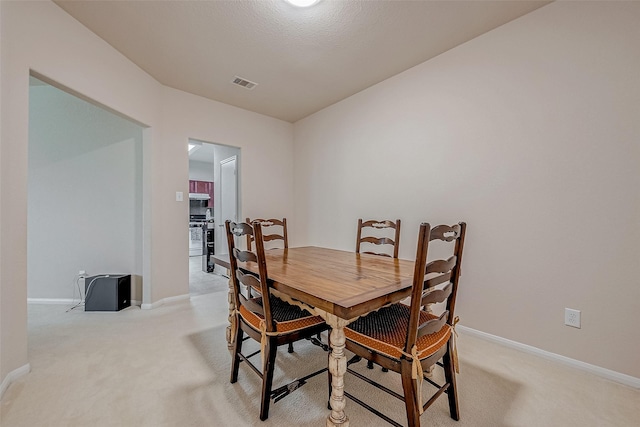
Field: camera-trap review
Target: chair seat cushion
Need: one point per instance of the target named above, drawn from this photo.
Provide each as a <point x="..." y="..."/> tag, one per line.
<point x="385" y="331"/>
<point x="288" y="318"/>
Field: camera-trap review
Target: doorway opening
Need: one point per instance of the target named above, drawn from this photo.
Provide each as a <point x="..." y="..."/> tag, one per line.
<point x="85" y="196"/>
<point x="209" y="192"/>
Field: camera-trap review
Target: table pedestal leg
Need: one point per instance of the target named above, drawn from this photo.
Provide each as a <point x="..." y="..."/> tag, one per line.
<point x="337" y="367"/>
<point x="231" y="329"/>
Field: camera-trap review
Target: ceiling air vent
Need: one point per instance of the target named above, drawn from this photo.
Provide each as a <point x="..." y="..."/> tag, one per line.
<point x="244" y="83"/>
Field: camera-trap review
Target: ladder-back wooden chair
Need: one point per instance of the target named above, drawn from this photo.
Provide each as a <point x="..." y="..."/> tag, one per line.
<point x="375" y="237"/>
<point x="379" y="228"/>
<point x="266" y="318"/>
<point x="277" y="230"/>
<point x="406" y="338"/>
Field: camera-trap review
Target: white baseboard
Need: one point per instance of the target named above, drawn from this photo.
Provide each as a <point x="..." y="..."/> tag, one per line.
<point x="67" y="301"/>
<point x="597" y="370"/>
<point x="12" y="376"/>
<point x="164" y="301"/>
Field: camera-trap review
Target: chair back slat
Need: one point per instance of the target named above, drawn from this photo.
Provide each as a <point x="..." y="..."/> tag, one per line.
<point x="435" y="282"/>
<point x="278" y="226"/>
<point x="432" y="326"/>
<point x="240" y="229"/>
<point x="244" y="256"/>
<point x="441" y="265"/>
<point x="445" y="233"/>
<point x="251" y="305"/>
<point x="379" y="224"/>
<point x="248" y="280"/>
<point x="271" y="237"/>
<point x="376" y="253"/>
<point x="436" y="296"/>
<point x="377" y="240"/>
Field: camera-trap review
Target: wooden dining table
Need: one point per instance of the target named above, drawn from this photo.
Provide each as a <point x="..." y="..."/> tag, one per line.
<point x="339" y="286"/>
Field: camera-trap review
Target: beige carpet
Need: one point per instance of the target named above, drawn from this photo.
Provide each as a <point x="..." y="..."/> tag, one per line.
<point x="170" y="367"/>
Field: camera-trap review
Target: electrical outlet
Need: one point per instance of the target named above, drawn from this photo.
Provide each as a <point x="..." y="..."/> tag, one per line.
<point x="572" y="317"/>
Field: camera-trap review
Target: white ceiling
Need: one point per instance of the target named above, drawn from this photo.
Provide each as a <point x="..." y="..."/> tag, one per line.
<point x="302" y="59"/>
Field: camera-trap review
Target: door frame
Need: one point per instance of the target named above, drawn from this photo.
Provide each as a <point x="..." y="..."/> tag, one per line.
<point x="220" y="237"/>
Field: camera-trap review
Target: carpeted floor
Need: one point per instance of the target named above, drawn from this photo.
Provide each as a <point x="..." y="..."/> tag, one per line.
<point x="170" y="367"/>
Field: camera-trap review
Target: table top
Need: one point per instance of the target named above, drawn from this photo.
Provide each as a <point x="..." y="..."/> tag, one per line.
<point x="342" y="283"/>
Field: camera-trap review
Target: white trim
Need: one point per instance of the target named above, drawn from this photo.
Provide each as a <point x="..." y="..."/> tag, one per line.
<point x="67" y="301"/>
<point x="164" y="301"/>
<point x="596" y="370"/>
<point x="12" y="376"/>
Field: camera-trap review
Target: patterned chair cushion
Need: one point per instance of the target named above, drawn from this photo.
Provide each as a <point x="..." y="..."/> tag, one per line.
<point x="385" y="331"/>
<point x="288" y="318"/>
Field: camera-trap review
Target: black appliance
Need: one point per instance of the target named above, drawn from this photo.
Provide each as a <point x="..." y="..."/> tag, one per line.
<point x="198" y="207"/>
<point x="197" y="223"/>
<point x="107" y="292"/>
<point x="208" y="248"/>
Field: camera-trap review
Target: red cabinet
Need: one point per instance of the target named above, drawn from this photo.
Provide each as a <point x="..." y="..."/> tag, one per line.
<point x="205" y="187"/>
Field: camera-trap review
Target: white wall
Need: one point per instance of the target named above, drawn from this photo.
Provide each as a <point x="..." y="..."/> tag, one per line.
<point x="41" y="37"/>
<point x="84" y="194"/>
<point x="266" y="149"/>
<point x="528" y="133"/>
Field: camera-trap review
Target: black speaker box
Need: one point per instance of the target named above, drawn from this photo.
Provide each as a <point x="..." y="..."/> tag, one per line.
<point x="107" y="292"/>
